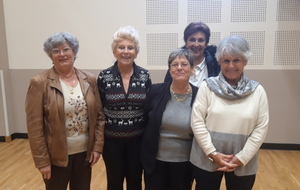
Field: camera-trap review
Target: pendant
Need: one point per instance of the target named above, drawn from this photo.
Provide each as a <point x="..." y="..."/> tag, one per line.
<point x="71" y="91"/>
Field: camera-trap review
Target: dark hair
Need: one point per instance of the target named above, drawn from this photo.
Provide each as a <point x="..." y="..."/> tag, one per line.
<point x="181" y="53"/>
<point x="196" y="27"/>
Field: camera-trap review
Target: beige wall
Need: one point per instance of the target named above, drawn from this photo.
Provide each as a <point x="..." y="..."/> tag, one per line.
<point x="24" y="25"/>
<point x="281" y="86"/>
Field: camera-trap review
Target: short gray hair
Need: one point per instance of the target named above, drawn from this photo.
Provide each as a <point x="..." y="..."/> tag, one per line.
<point x="126" y="32"/>
<point x="234" y="46"/>
<point x="181" y="52"/>
<point x="59" y="38"/>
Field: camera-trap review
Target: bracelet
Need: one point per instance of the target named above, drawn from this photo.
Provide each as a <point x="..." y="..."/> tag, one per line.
<point x="213" y="153"/>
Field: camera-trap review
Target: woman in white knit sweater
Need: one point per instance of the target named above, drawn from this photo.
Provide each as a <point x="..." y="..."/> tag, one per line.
<point x="230" y="120"/>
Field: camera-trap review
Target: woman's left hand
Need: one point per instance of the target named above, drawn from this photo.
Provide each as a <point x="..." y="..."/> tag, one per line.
<point x="234" y="160"/>
<point x="224" y="161"/>
<point x="94" y="157"/>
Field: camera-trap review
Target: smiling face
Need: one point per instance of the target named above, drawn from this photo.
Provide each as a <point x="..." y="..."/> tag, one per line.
<point x="232" y="68"/>
<point x="125" y="52"/>
<point x="62" y="56"/>
<point x="180" y="69"/>
<point x="196" y="43"/>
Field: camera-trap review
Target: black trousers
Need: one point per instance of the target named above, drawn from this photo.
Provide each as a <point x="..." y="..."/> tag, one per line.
<point x="122" y="161"/>
<point x="212" y="180"/>
<point x="78" y="173"/>
<point x="169" y="175"/>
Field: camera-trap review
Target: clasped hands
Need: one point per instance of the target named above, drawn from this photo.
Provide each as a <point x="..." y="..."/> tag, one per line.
<point x="227" y="163"/>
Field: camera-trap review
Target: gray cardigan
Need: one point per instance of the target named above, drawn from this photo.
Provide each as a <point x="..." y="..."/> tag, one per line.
<point x="157" y="98"/>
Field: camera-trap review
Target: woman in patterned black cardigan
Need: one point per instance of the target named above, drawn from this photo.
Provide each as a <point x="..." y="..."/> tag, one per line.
<point x="123" y="89"/>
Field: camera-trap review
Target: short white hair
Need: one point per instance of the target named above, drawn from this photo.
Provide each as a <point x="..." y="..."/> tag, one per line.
<point x="235" y="46"/>
<point x="126" y="32"/>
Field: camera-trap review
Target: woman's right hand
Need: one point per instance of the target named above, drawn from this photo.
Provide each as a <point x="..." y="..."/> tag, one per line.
<point x="224" y="162"/>
<point x="46" y="171"/>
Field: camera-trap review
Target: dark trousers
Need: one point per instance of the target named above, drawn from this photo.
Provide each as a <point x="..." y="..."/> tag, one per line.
<point x="122" y="160"/>
<point x="169" y="175"/>
<point x="212" y="180"/>
<point x="78" y="173"/>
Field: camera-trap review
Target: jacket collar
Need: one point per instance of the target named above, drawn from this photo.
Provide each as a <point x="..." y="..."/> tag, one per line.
<point x="55" y="83"/>
<point x="84" y="83"/>
<point x="54" y="78"/>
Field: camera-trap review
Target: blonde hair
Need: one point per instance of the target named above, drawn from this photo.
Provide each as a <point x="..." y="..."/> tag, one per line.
<point x="126" y="32"/>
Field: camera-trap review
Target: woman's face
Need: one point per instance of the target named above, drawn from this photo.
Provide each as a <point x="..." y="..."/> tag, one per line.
<point x="232" y="68"/>
<point x="196" y="43"/>
<point x="180" y="69"/>
<point x="125" y="52"/>
<point x="62" y="56"/>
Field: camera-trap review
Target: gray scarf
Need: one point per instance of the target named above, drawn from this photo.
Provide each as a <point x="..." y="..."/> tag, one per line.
<point x="221" y="87"/>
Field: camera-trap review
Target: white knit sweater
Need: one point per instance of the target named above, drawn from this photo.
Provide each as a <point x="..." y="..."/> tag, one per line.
<point x="234" y="127"/>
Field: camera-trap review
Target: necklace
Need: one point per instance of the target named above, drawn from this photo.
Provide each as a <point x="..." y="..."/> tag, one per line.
<point x="70" y="80"/>
<point x="71" y="88"/>
<point x="180" y="99"/>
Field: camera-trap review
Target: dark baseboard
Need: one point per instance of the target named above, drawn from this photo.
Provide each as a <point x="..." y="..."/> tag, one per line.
<point x="15" y="136"/>
<point x="276" y="146"/>
<point x="270" y="146"/>
<point x="19" y="136"/>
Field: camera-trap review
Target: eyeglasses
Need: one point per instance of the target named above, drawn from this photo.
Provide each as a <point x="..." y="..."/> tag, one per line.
<point x="182" y="65"/>
<point x="57" y="51"/>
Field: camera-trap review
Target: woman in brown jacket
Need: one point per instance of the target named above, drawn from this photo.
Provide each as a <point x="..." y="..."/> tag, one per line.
<point x="65" y="120"/>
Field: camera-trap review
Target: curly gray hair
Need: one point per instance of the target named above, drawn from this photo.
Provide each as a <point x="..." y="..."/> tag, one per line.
<point x="59" y="38"/>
